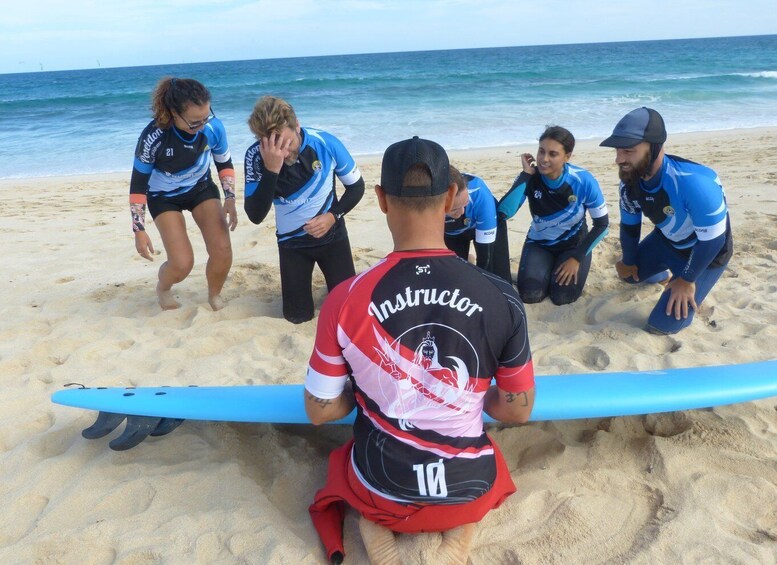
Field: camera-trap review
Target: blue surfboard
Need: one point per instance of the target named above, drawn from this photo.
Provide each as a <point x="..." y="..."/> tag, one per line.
<point x="158" y="410"/>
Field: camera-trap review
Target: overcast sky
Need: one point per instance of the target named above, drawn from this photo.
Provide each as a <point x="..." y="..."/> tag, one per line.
<point x="78" y="34"/>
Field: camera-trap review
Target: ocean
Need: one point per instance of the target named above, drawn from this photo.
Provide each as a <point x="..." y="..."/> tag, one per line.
<point x="88" y="121"/>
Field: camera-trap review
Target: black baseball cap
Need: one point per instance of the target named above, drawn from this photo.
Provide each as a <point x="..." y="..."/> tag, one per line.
<point x="642" y="124"/>
<point x="402" y="155"/>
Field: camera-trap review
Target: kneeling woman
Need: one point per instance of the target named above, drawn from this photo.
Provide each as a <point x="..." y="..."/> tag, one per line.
<point x="556" y="256"/>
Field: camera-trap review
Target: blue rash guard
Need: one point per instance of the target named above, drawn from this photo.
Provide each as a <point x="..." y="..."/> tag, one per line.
<point x="558" y="209"/>
<point x="303" y="190"/>
<point x="169" y="162"/>
<point x="686" y="203"/>
<point x="479" y="213"/>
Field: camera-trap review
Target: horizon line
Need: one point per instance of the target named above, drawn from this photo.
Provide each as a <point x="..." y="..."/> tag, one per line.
<point x="101" y="67"/>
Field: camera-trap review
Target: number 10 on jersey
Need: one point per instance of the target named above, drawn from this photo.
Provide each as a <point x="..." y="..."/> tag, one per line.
<point x="431" y="479"/>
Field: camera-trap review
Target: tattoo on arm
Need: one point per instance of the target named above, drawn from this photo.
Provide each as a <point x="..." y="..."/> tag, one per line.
<point x="322" y="402"/>
<point x="520" y="397"/>
<point x="138" y="212"/>
<point x="228" y="185"/>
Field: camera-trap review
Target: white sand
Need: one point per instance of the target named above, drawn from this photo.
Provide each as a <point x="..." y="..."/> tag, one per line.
<point x="78" y="304"/>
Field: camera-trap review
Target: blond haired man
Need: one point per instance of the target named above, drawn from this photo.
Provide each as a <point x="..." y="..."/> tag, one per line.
<point x="294" y="169"/>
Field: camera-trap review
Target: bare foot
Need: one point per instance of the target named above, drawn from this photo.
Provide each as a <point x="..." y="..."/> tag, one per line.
<point x="455" y="545"/>
<point x="166" y="299"/>
<point x="216" y="302"/>
<point x="380" y="543"/>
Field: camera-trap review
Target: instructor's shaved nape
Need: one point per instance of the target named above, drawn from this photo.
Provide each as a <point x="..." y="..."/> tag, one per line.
<point x="417" y="175"/>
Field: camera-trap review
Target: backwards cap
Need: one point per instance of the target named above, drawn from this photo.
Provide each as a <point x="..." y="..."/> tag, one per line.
<point x="403" y="155"/>
<point x="642" y="124"/>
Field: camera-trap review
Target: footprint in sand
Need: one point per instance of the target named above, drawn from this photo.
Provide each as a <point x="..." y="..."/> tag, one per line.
<point x="131" y="499"/>
<point x="25" y="509"/>
<point x="595" y="358"/>
<point x="53" y="443"/>
<point x="28" y="425"/>
<point x="110" y="292"/>
<point x="668" y="424"/>
<point x="752" y="501"/>
<point x="143" y="557"/>
<point x="608" y="518"/>
<point x="741" y="512"/>
<point x="672" y="345"/>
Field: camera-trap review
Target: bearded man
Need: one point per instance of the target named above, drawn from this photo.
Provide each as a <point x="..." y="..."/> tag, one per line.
<point x="686" y="203"/>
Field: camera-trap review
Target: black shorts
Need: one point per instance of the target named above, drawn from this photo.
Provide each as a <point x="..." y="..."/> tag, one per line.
<point x="187" y="201"/>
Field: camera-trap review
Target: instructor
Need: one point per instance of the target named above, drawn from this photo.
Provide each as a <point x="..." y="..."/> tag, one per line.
<point x="414" y="344"/>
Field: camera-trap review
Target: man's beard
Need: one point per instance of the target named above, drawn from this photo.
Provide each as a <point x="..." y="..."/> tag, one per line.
<point x="632" y="176"/>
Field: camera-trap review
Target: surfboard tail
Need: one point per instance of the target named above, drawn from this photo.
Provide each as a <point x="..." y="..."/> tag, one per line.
<point x="137" y="429"/>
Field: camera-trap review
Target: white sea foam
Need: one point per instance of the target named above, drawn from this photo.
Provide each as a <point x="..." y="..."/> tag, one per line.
<point x="762" y="74"/>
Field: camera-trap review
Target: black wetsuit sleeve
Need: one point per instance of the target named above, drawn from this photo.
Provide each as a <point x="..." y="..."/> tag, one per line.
<point x="259" y="203"/>
<point x="598" y="231"/>
<point x="139" y="182"/>
<point x="484" y="253"/>
<point x="353" y="194"/>
<point x="225" y="165"/>
<point x="629" y="234"/>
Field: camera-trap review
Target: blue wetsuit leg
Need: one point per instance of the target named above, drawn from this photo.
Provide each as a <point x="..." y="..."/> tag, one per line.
<point x="660" y="323"/>
<point x="654" y="256"/>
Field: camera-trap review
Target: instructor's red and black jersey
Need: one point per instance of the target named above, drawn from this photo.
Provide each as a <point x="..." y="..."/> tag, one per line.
<point x="421" y="335"/>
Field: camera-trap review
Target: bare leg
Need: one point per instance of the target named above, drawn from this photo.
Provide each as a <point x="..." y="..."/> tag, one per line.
<point x="380" y="543"/>
<point x="209" y="216"/>
<point x="455" y="545"/>
<point x="180" y="256"/>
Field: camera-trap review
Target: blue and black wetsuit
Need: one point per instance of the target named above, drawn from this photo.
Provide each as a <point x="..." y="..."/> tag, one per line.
<point x="692" y="235"/>
<point x="558" y="230"/>
<point x="299" y="193"/>
<point x="171" y="170"/>
<point x="479" y="223"/>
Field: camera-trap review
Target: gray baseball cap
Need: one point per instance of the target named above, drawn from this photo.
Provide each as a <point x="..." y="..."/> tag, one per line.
<point x="642" y="124"/>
